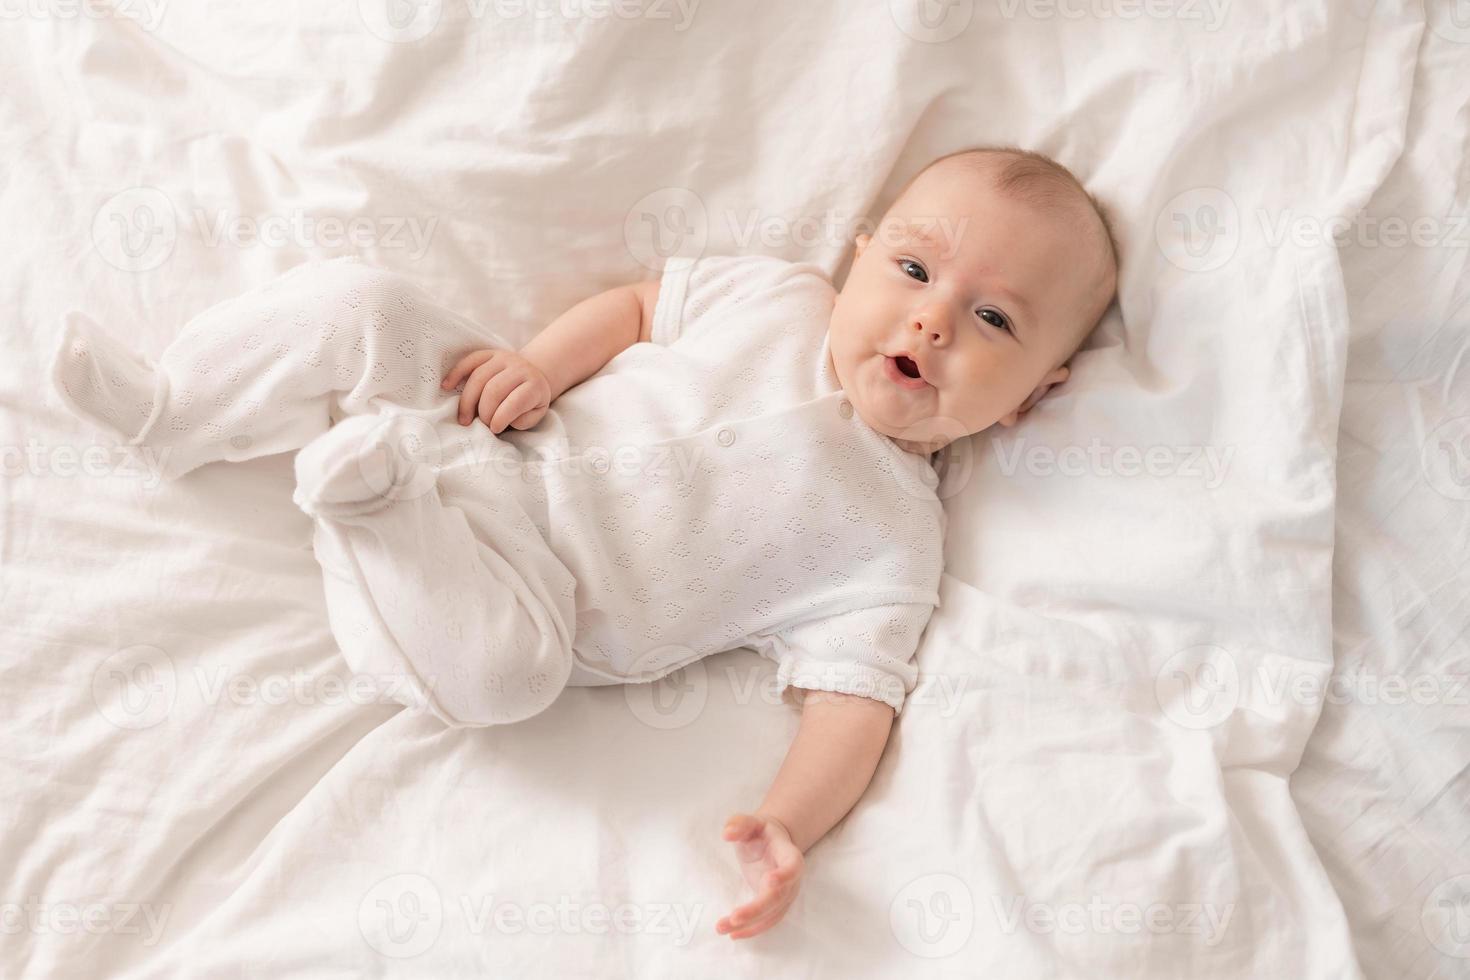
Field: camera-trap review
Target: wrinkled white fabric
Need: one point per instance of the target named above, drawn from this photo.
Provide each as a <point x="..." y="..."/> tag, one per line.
<point x="513" y="165"/>
<point x="790" y="526"/>
<point x="440" y="586"/>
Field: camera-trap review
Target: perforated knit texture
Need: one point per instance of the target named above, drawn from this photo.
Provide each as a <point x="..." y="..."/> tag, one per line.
<point x="260" y="373"/>
<point x="449" y="596"/>
<point x="754" y="507"/>
<point x="712" y="490"/>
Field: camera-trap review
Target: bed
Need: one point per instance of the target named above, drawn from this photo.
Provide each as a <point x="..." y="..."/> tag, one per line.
<point x="1127" y="755"/>
<point x="1384" y="783"/>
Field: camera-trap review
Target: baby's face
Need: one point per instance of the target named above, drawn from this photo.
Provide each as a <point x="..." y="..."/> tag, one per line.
<point x="980" y="296"/>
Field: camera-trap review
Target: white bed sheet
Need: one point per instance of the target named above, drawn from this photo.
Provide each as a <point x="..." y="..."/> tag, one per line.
<point x="1384" y="784"/>
<point x="1048" y="806"/>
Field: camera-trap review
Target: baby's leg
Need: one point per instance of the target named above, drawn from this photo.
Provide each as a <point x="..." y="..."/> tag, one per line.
<point x="267" y="371"/>
<point x="439" y="584"/>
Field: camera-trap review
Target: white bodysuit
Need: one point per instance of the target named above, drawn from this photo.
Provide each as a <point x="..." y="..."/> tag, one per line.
<point x="730" y="495"/>
<point x="711" y="490"/>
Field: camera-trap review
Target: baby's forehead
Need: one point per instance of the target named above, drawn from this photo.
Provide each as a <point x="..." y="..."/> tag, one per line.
<point x="959" y="221"/>
<point x="957" y="187"/>
<point x="942" y="232"/>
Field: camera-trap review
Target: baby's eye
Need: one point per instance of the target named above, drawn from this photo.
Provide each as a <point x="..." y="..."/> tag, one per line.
<point x="995" y="319"/>
<point x="909" y="265"/>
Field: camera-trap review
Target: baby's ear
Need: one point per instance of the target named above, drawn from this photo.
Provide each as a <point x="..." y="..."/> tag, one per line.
<point x="1056" y="377"/>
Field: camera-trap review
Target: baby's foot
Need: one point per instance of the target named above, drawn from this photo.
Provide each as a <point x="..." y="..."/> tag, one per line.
<point x="362" y="464"/>
<point x="103" y="381"/>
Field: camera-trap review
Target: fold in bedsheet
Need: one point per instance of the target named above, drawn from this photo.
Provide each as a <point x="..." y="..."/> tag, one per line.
<point x="1091" y="777"/>
<point x="1384" y="784"/>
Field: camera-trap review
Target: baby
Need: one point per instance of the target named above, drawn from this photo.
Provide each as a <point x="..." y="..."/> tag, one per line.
<point x="731" y="455"/>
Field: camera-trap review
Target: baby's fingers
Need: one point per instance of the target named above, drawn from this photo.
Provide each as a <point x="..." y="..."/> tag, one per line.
<point x="463" y="367"/>
<point x="774" y="888"/>
<point x="741" y="826"/>
<point x="472" y="398"/>
<point x="744" y="930"/>
<point x="496" y="390"/>
<point x="757" y="916"/>
<point x="529" y="419"/>
<point x="521" y="400"/>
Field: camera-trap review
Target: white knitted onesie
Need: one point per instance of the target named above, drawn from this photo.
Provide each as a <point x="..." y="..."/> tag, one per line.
<point x="709" y="490"/>
<point x="439" y="582"/>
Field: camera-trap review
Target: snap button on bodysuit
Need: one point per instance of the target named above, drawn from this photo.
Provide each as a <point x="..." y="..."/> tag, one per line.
<point x="725" y="436"/>
<point x="845" y="409"/>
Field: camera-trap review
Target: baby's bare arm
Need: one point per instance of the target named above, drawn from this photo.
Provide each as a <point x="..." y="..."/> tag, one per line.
<point x="827" y="768"/>
<point x="829" y="764"/>
<point x="515" y="389"/>
<point x="580" y="342"/>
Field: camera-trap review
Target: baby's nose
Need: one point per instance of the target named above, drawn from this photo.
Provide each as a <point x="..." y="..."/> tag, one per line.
<point x="933" y="325"/>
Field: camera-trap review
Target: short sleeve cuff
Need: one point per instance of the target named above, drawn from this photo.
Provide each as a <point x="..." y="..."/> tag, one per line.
<point x="668" y="312"/>
<point x="840" y="678"/>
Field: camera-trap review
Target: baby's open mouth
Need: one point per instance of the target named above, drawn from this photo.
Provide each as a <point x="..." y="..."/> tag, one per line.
<point x="904" y="371"/>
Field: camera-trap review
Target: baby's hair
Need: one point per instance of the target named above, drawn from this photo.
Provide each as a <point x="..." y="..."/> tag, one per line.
<point x="1038" y="180"/>
<point x="1032" y="177"/>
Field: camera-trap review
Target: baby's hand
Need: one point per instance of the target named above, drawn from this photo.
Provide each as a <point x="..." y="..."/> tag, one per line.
<point x="772" y="866"/>
<point x="500" y="386"/>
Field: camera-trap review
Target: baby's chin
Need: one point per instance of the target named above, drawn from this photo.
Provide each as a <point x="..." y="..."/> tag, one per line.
<point x="912" y="427"/>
